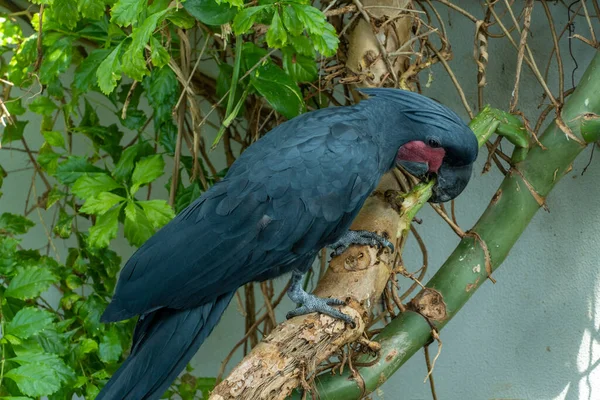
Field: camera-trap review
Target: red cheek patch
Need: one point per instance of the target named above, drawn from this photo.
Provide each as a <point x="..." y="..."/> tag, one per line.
<point x="418" y="151"/>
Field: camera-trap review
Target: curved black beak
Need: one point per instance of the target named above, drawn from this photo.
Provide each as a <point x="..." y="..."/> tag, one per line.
<point x="451" y="181"/>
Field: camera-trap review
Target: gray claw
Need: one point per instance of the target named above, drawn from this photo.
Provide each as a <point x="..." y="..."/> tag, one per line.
<point x="311" y="303"/>
<point x="359" y="238"/>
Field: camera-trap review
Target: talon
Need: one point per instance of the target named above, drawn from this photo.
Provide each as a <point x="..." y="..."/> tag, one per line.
<point x="311" y="303"/>
<point x="359" y="238"/>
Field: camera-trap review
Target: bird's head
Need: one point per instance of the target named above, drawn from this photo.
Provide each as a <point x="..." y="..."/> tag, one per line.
<point x="440" y="144"/>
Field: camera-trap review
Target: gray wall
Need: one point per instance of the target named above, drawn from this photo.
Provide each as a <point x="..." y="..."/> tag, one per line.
<point x="533" y="335"/>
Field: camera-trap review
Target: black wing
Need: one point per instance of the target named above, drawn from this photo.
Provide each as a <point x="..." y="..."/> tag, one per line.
<point x="284" y="199"/>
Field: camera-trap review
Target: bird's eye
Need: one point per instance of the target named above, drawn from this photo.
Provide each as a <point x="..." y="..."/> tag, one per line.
<point x="432" y="142"/>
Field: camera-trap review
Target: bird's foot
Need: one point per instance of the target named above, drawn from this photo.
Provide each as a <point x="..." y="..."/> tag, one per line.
<point x="310" y="303"/>
<point x="360" y="238"/>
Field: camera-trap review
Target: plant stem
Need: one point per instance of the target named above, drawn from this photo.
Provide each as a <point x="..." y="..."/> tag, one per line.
<point x="513" y="206"/>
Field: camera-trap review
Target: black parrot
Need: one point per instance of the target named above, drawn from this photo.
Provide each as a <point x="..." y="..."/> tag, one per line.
<point x="293" y="192"/>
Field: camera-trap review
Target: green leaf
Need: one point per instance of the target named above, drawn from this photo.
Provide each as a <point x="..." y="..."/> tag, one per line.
<point x="53" y="196"/>
<point x="327" y="42"/>
<point x="147" y="170"/>
<point x="141" y="34"/>
<point x="86" y="346"/>
<point x="244" y="20"/>
<point x="110" y="346"/>
<point x="74" y="168"/>
<point x="109" y="71"/>
<point x="127" y="12"/>
<point x="105" y="229"/>
<point x="101" y="203"/>
<point x="276" y="35"/>
<point x="48" y="158"/>
<point x="278" y="89"/>
<point x="73" y="282"/>
<point x="291" y="21"/>
<point x="210" y="12"/>
<point x="312" y="18"/>
<point x="134" y="120"/>
<point x="56" y="60"/>
<point x="158" y="54"/>
<point x="137" y="227"/>
<point x="55" y="139"/>
<point x="93" y="184"/>
<point x="90" y="311"/>
<point x="40" y="374"/>
<point x="159" y="212"/>
<point x="14" y="223"/>
<point x="130" y="155"/>
<point x="53" y="342"/>
<point x="65" y="13"/>
<point x="29" y="321"/>
<point x="30" y="283"/>
<point x="64" y="226"/>
<point x="134" y="64"/>
<point x="42" y="105"/>
<point x="182" y="19"/>
<point x="299" y="67"/>
<point x="93" y="9"/>
<point x="162" y="91"/>
<point x="13" y="132"/>
<point x="85" y="73"/>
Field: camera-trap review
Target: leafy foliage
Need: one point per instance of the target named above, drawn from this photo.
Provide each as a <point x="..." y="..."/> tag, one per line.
<point x="127" y="53"/>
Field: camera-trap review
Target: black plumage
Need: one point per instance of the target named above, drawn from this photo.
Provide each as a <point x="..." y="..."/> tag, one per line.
<point x="293" y="192"/>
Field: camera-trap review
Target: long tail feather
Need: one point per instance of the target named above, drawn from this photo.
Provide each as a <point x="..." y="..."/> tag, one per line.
<point x="164" y="342"/>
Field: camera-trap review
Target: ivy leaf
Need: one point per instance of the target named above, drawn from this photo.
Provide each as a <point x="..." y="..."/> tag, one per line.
<point x="109" y="71"/>
<point x="14" y="223"/>
<point x="54" y="138"/>
<point x="244" y="20"/>
<point x="276" y="35"/>
<point x="105" y="229"/>
<point x="42" y="105"/>
<point x="13" y="132"/>
<point x="40" y="374"/>
<point x="64" y="226"/>
<point x="74" y="168"/>
<point x="210" y="12"/>
<point x="28" y="321"/>
<point x="299" y="67"/>
<point x="56" y="59"/>
<point x="158" y="54"/>
<point x="137" y="227"/>
<point x="93" y="184"/>
<point x="127" y="12"/>
<point x="292" y="22"/>
<point x="92" y="9"/>
<point x="101" y="203"/>
<point x="85" y="73"/>
<point x="158" y="212"/>
<point x="147" y="170"/>
<point x="110" y="349"/>
<point x="30" y="283"/>
<point x="278" y="89"/>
